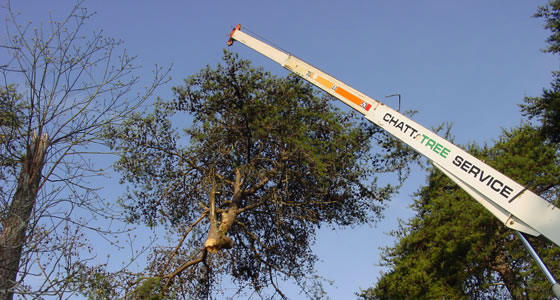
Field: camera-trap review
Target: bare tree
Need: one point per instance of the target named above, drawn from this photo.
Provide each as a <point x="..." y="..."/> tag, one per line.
<point x="60" y="89"/>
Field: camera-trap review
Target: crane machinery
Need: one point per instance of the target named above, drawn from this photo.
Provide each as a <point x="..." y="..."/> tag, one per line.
<point x="513" y="204"/>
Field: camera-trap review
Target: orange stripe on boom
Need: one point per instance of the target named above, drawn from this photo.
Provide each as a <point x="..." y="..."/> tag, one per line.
<point x="341" y="91"/>
<point x="346" y="94"/>
<point x="326" y="83"/>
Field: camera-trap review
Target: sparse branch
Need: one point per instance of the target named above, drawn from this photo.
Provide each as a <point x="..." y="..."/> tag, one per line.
<point x="251" y="235"/>
<point x="187" y="231"/>
<point x="251" y="206"/>
<point x="183" y="267"/>
<point x="276" y="288"/>
<point x="190" y="162"/>
<point x="68" y="87"/>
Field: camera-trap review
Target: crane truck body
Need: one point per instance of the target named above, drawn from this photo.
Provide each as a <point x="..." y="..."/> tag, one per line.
<point x="513" y="204"/>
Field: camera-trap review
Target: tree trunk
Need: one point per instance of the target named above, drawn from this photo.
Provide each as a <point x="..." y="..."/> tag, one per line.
<point x="14" y="226"/>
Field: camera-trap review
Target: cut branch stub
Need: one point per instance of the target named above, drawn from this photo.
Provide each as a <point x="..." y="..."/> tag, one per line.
<point x="217" y="241"/>
<point x="217" y="238"/>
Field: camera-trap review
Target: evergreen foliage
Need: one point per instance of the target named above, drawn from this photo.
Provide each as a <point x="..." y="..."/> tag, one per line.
<point x="454" y="248"/>
<point x="263" y="165"/>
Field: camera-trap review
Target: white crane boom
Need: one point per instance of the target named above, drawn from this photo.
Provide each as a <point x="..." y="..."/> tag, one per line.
<point x="516" y="206"/>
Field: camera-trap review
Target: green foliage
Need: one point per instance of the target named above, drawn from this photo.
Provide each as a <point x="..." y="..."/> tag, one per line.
<point x="454" y="248"/>
<point x="284" y="160"/>
<point x="546" y="108"/>
<point x="9" y="106"/>
<point x="93" y="282"/>
<point x="149" y="289"/>
<point x="11" y="120"/>
<point x="551" y="13"/>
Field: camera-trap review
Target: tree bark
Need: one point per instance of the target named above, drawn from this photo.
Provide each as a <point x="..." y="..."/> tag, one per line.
<point x="217" y="238"/>
<point x="217" y="235"/>
<point x="16" y="221"/>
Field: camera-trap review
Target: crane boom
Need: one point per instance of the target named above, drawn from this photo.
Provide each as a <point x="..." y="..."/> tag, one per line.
<point x="514" y="205"/>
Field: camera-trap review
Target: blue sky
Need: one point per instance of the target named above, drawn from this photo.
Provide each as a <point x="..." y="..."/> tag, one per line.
<point x="466" y="62"/>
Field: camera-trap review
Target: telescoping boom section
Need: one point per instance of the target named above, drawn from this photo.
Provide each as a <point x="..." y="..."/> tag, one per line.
<point x="516" y="206"/>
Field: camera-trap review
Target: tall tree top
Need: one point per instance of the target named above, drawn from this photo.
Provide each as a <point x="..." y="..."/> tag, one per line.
<point x="266" y="163"/>
<point x="551" y="13"/>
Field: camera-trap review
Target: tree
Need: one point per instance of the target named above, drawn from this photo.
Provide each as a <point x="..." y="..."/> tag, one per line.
<point x="551" y="13"/>
<point x="264" y="164"/>
<point x="60" y="90"/>
<point x="546" y="108"/>
<point x="454" y="248"/>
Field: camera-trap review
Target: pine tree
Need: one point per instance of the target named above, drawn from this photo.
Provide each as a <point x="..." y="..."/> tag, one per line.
<point x="454" y="248"/>
<point x="244" y="188"/>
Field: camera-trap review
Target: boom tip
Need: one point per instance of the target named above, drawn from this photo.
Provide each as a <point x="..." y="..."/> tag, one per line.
<point x="230" y="41"/>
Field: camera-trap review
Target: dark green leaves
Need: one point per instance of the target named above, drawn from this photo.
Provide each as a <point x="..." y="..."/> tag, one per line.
<point x="281" y="158"/>
<point x="454" y="248"/>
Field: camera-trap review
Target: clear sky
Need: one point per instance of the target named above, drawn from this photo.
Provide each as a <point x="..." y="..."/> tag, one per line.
<point x="466" y="62"/>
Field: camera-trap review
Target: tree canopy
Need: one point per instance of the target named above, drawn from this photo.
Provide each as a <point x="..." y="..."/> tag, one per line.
<point x="256" y="165"/>
<point x="454" y="248"/>
<point x="546" y="108"/>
